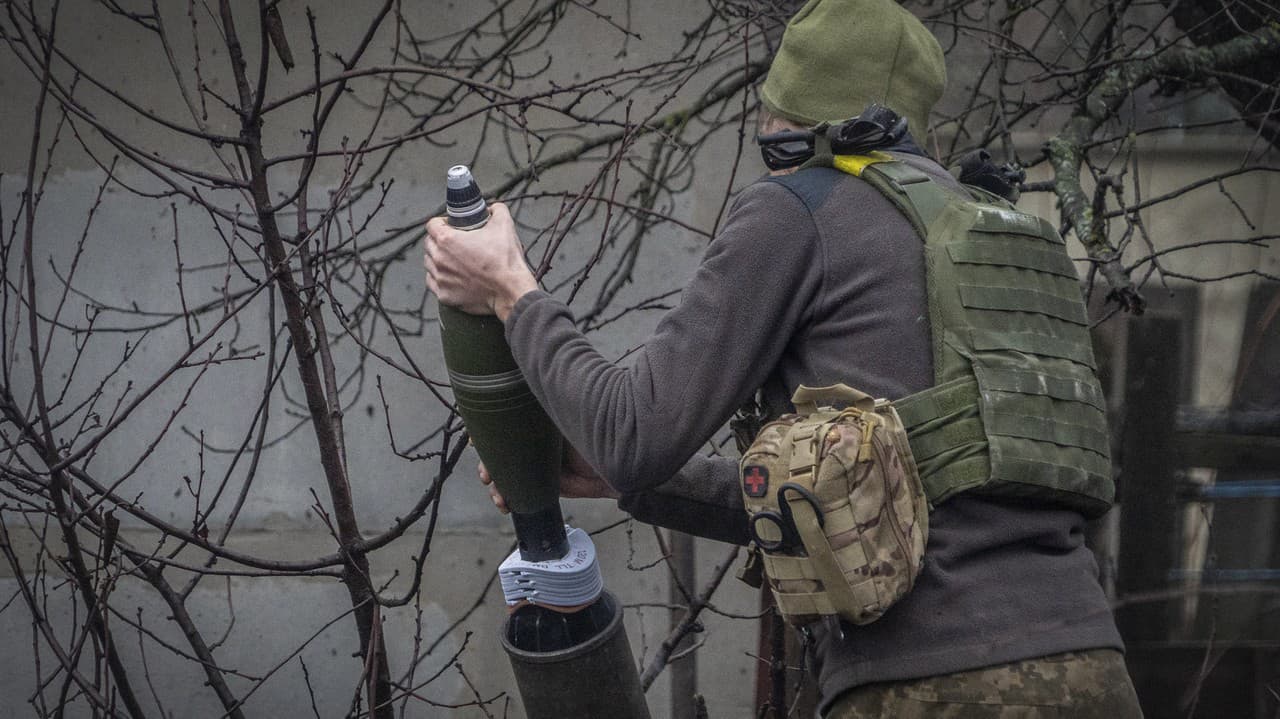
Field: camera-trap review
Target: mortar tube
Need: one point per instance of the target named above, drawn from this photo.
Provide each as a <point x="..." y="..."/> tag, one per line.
<point x="593" y="677"/>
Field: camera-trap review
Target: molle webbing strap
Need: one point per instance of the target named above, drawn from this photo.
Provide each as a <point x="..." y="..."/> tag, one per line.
<point x="927" y="444"/>
<point x="1075" y="389"/>
<point x="1023" y="299"/>
<point x="803" y="451"/>
<point x="1000" y="254"/>
<point x="1003" y="220"/>
<point x="940" y="401"/>
<point x="793" y="573"/>
<point x="1033" y="343"/>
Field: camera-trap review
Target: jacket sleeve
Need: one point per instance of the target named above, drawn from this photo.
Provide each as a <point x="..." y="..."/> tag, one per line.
<point x="638" y="425"/>
<point x="701" y="499"/>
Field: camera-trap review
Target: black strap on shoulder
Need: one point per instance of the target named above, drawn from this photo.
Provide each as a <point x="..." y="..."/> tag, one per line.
<point x="811" y="185"/>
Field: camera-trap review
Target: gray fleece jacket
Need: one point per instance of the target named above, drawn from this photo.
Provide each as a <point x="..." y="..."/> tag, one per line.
<point x="814" y="282"/>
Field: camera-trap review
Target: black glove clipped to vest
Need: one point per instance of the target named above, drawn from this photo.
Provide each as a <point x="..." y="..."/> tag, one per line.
<point x="876" y="128"/>
<point x="977" y="169"/>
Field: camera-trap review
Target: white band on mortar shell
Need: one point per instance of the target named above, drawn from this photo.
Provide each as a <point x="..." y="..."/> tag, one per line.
<point x="569" y="581"/>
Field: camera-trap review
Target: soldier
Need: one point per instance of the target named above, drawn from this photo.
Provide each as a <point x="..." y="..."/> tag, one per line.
<point x="817" y="277"/>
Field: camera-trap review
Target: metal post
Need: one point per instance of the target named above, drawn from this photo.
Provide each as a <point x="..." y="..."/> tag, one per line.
<point x="684" y="673"/>
<point x="1147" y="491"/>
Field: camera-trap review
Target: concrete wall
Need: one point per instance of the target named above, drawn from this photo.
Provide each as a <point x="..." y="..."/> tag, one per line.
<point x="129" y="257"/>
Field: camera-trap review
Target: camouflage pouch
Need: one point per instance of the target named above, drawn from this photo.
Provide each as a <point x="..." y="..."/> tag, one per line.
<point x="837" y="512"/>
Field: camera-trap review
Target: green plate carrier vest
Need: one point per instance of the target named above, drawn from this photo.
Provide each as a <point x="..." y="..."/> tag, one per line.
<point x="1016" y="409"/>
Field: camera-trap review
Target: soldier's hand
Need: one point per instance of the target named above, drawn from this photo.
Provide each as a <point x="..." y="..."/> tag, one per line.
<point x="494" y="494"/>
<point x="578" y="480"/>
<point x="480" y="271"/>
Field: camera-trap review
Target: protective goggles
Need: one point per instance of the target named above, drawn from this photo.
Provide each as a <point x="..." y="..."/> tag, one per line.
<point x="876" y="128"/>
<point x="786" y="149"/>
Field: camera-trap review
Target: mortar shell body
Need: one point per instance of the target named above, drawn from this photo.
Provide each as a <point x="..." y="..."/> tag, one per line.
<point x="517" y="441"/>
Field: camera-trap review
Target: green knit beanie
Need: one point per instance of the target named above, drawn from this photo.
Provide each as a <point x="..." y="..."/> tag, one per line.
<point x="838" y="56"/>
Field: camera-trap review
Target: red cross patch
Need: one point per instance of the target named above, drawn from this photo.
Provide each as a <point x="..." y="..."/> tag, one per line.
<point x="755" y="480"/>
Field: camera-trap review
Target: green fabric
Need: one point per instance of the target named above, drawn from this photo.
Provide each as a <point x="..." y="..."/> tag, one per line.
<point x="1048" y="430"/>
<point x="1017" y="410"/>
<point x="914" y="194"/>
<point x="904" y="174"/>
<point x="1009" y="275"/>
<point x="1019" y="299"/>
<point x="1078" y="389"/>
<point x="960" y="470"/>
<point x="1026" y="256"/>
<point x="1000" y="220"/>
<point x="838" y="56"/>
<point x="941" y="400"/>
<point x="1078" y="466"/>
<point x="1033" y="343"/>
<point x="927" y="445"/>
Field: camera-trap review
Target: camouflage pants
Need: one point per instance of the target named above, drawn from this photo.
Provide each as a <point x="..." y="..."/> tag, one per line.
<point x="1079" y="685"/>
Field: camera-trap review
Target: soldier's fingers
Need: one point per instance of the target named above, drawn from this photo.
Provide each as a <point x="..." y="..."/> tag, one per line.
<point x="498" y="501"/>
<point x="435" y="225"/>
<point x="484" y="474"/>
<point x="428" y="255"/>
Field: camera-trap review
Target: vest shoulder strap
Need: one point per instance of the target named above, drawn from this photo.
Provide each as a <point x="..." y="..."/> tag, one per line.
<point x="915" y="193"/>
